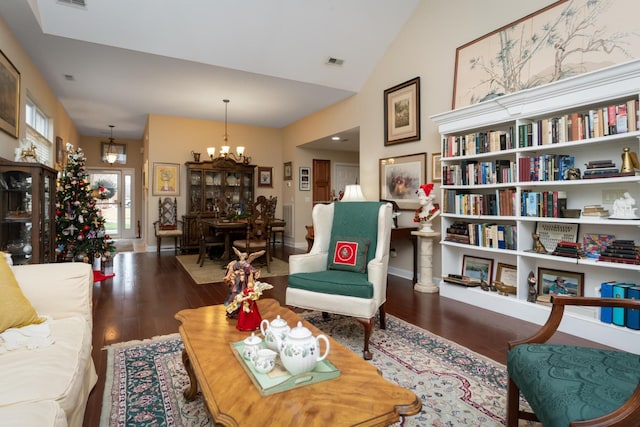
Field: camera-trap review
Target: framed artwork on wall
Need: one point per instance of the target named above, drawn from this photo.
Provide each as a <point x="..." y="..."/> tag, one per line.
<point x="265" y="176"/>
<point x="400" y="178"/>
<point x="166" y="179"/>
<point x="305" y="178"/>
<point x="10" y="99"/>
<point x="402" y="112"/>
<point x="436" y="167"/>
<point x="288" y="171"/>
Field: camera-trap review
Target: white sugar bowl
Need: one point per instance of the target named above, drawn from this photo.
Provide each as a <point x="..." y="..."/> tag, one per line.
<point x="274" y="332"/>
<point x="301" y="350"/>
<point x="265" y="360"/>
<point x="251" y="347"/>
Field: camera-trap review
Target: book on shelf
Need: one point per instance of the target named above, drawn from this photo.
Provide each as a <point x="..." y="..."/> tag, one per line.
<point x="632" y="319"/>
<point x="620" y="291"/>
<point x="606" y="291"/>
<point x="593" y="164"/>
<point x="594" y="210"/>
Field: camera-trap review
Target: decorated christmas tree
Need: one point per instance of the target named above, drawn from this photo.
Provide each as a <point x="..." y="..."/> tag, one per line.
<point x="80" y="231"/>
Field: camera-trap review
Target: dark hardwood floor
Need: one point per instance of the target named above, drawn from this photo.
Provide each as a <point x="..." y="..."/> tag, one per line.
<point x="141" y="300"/>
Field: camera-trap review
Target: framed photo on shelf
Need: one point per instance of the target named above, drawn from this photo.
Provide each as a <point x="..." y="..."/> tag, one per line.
<point x="559" y="282"/>
<point x="400" y="178"/>
<point x="305" y="178"/>
<point x="119" y="149"/>
<point x="507" y="274"/>
<point x="551" y="233"/>
<point x="436" y="167"/>
<point x="402" y="112"/>
<point x="265" y="177"/>
<point x="288" y="171"/>
<point x="10" y="100"/>
<point x="166" y="179"/>
<point x="478" y="268"/>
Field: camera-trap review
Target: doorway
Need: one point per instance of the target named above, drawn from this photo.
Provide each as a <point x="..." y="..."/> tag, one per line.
<point x="344" y="174"/>
<point x="115" y="200"/>
<point x="321" y="171"/>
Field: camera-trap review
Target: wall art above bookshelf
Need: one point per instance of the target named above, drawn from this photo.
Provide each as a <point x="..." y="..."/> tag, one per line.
<point x="554" y="154"/>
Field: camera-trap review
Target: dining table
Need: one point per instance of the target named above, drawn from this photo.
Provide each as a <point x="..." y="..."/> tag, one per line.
<point x="227" y="228"/>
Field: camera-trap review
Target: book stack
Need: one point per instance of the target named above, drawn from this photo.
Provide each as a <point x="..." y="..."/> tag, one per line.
<point x="459" y="279"/>
<point x="595" y="210"/>
<point x="621" y="251"/>
<point x="569" y="250"/>
<point x="458" y="232"/>
<point x="601" y="169"/>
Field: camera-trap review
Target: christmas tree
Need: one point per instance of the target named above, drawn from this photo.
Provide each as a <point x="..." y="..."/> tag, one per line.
<point x="80" y="228"/>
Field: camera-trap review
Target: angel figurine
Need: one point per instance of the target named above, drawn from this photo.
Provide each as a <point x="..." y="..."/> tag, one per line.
<point x="245" y="304"/>
<point x="237" y="277"/>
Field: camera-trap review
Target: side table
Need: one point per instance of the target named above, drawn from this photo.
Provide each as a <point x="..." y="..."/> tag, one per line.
<point x="425" y="284"/>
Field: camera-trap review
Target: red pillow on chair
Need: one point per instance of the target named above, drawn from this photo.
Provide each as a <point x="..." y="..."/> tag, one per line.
<point x="349" y="254"/>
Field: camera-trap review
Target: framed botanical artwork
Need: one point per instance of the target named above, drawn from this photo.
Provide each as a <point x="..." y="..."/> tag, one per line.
<point x="436" y="167"/>
<point x="400" y="178"/>
<point x="559" y="282"/>
<point x="507" y="274"/>
<point x="545" y="46"/>
<point x="402" y="112"/>
<point x="305" y="178"/>
<point x="119" y="149"/>
<point x="265" y="177"/>
<point x="477" y="268"/>
<point x="288" y="171"/>
<point x="10" y="99"/>
<point x="166" y="179"/>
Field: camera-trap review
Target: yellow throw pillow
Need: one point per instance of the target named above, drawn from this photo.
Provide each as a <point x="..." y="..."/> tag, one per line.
<point x="15" y="309"/>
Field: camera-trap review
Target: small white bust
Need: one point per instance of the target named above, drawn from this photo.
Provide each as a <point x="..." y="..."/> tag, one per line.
<point x="428" y="210"/>
<point x="623" y="208"/>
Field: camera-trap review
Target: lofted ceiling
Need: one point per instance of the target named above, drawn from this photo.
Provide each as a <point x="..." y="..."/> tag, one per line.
<point x="115" y="61"/>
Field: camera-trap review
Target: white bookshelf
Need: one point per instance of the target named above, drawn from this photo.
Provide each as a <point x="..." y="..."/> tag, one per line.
<point x="591" y="91"/>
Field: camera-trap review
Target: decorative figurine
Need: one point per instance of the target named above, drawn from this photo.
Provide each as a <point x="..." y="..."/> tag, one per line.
<point x="532" y="295"/>
<point x="629" y="161"/>
<point x="237" y="277"/>
<point x="428" y="211"/>
<point x="573" y="173"/>
<point x="538" y="247"/>
<point x="623" y="208"/>
<point x="244" y="303"/>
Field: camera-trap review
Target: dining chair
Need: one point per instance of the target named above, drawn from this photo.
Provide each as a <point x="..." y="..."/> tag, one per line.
<point x="168" y="224"/>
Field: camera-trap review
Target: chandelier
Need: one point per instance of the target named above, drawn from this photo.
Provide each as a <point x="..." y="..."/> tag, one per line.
<point x="111" y="155"/>
<point x="225" y="152"/>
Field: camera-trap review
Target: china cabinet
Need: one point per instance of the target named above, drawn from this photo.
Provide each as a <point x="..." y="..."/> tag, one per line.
<point x="217" y="188"/>
<point x="27" y="220"/>
<point x="510" y="166"/>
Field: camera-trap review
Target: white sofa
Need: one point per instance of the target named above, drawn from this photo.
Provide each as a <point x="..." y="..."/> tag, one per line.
<point x="49" y="386"/>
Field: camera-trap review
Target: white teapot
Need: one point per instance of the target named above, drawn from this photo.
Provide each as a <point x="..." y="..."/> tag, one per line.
<point x="274" y="332"/>
<point x="301" y="351"/>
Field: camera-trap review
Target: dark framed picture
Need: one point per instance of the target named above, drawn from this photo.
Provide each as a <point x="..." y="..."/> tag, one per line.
<point x="10" y="99"/>
<point x="288" y="171"/>
<point x="265" y="176"/>
<point x="400" y="178"/>
<point x="436" y="167"/>
<point x="305" y="178"/>
<point x="119" y="149"/>
<point x="402" y="112"/>
<point x="478" y="268"/>
<point x="559" y="282"/>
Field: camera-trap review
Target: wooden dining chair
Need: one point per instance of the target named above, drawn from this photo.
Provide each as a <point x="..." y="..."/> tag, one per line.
<point x="207" y="241"/>
<point x="257" y="236"/>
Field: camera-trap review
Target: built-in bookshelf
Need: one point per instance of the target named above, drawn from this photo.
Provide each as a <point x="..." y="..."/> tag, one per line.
<point x="511" y="163"/>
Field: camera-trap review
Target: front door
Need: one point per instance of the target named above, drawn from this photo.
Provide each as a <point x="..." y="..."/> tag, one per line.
<point x="113" y="190"/>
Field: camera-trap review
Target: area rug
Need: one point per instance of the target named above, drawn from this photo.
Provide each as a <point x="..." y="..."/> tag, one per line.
<point x="213" y="271"/>
<point x="145" y="379"/>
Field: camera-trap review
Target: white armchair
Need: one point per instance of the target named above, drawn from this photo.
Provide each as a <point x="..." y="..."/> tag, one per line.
<point x="346" y="270"/>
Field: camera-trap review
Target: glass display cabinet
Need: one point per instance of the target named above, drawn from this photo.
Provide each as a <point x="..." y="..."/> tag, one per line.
<point x="27" y="220"/>
<point x="218" y="188"/>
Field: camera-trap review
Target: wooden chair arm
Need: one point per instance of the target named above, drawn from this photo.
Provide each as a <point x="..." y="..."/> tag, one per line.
<point x="557" y="311"/>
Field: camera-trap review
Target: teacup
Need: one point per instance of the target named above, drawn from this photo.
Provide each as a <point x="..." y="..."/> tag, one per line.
<point x="265" y="360"/>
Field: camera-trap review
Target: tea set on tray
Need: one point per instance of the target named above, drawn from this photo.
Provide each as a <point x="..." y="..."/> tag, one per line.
<point x="298" y="349"/>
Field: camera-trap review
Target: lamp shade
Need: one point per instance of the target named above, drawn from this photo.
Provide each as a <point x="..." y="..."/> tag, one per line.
<point x="353" y="193"/>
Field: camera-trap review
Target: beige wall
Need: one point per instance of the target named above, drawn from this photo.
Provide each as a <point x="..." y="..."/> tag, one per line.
<point x="33" y="84"/>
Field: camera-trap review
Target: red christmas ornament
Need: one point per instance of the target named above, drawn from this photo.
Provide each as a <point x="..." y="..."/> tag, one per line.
<point x="86" y="228"/>
<point x="58" y="212"/>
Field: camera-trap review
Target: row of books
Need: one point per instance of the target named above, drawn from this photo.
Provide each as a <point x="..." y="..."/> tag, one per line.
<point x="616" y="315"/>
<point x="500" y="203"/>
<point x="543" y="204"/>
<point x="545" y="167"/>
<point x="487" y="235"/>
<point x="568" y="250"/>
<point x="471" y="172"/>
<point x="478" y="142"/>
<point x="596" y="122"/>
<point x="621" y="251"/>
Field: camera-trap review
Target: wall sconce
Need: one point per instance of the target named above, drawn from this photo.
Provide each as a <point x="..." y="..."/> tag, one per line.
<point x="111" y="155"/>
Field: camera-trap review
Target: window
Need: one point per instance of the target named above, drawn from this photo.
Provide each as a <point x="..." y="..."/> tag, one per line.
<point x="38" y="132"/>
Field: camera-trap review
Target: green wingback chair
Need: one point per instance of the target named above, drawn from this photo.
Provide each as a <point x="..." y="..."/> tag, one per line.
<point x="571" y="385"/>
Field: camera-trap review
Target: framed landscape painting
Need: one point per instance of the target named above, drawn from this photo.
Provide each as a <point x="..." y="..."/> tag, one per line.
<point x="402" y="112"/>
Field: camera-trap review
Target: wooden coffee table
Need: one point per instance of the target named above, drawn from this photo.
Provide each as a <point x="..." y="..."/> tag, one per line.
<point x="359" y="396"/>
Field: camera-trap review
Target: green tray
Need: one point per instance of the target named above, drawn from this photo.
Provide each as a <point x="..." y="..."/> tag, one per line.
<point x="279" y="380"/>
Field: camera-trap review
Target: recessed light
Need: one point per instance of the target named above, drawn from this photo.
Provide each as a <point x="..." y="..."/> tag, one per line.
<point x="335" y="138"/>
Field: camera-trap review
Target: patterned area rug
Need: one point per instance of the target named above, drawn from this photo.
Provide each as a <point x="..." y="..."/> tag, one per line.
<point x="145" y="379"/>
<point x="213" y="271"/>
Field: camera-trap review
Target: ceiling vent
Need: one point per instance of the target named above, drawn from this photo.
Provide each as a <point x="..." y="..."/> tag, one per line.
<point x="69" y="77"/>
<point x="76" y="3"/>
<point x="335" y="61"/>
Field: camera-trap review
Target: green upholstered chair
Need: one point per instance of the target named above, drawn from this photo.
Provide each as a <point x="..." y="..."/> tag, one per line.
<point x="346" y="270"/>
<point x="570" y="385"/>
